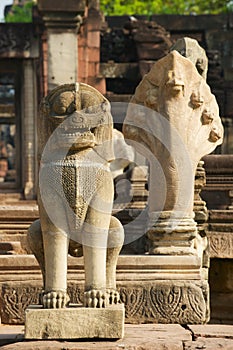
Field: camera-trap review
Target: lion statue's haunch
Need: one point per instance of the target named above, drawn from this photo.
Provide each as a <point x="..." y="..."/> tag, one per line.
<point x="76" y="195"/>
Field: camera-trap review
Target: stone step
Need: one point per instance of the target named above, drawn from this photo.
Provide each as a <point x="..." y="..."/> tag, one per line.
<point x="137" y="337"/>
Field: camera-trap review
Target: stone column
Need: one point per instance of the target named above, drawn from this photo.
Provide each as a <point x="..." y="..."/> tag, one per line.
<point x="173" y="119"/>
<point x="62" y="20"/>
<point x="29" y="130"/>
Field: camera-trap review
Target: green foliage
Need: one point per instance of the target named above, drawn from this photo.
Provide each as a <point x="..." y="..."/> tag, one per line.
<point x="150" y="7"/>
<point x="20" y="14"/>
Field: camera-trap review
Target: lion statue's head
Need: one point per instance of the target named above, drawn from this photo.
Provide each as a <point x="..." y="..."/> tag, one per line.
<point x="81" y="117"/>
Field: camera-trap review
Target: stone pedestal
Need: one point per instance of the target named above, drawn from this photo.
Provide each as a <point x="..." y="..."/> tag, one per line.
<point x="74" y="322"/>
<point x="171" y="233"/>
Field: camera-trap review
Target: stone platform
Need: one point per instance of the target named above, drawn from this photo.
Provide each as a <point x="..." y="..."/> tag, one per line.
<point x="74" y="322"/>
<point x="137" y="337"/>
<point x="142" y="281"/>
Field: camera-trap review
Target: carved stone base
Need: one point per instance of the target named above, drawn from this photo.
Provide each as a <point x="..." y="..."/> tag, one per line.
<point x="170" y="233"/>
<point x="154" y="289"/>
<point x="183" y="302"/>
<point x="75" y="322"/>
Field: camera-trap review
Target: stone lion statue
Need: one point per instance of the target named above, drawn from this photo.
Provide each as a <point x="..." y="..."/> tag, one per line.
<point x="75" y="196"/>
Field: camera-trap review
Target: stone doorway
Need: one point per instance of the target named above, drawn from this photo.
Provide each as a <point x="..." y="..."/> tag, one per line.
<point x="10" y="126"/>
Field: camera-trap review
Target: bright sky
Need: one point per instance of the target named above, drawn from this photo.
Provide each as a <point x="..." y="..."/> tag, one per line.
<point x="3" y="3"/>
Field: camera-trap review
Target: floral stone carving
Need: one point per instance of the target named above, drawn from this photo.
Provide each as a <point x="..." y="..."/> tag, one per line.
<point x="160" y="302"/>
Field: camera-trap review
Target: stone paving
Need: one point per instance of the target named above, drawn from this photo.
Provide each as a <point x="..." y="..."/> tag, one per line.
<point x="137" y="337"/>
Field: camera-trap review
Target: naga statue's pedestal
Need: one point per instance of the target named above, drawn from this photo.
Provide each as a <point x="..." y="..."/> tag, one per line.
<point x="74" y="322"/>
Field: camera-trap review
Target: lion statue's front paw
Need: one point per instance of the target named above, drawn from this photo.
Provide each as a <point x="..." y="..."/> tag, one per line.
<point x="113" y="296"/>
<point x="55" y="299"/>
<point x="96" y="298"/>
